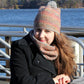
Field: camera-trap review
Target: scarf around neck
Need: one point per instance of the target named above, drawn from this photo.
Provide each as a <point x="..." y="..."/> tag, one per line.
<point x="49" y="52"/>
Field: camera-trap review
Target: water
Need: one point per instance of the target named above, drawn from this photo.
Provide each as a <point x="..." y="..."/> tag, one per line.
<point x="72" y="17"/>
<point x="69" y="17"/>
<point x="20" y="16"/>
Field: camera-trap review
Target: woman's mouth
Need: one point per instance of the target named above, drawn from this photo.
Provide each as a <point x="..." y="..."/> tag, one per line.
<point x="42" y="40"/>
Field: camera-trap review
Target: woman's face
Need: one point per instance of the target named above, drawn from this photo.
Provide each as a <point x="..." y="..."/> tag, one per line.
<point x="44" y="35"/>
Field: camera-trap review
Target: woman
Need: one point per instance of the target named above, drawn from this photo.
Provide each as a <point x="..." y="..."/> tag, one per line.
<point x="45" y="55"/>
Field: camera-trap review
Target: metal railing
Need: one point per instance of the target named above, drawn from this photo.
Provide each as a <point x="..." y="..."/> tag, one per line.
<point x="71" y="31"/>
<point x="75" y="31"/>
<point x="5" y="43"/>
<point x="80" y="69"/>
<point x="6" y="57"/>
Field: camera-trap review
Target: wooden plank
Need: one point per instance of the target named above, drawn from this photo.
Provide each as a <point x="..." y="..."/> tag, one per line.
<point x="4" y="82"/>
<point x="8" y="51"/>
<point x="21" y="34"/>
<point x="76" y="34"/>
<point x="79" y="80"/>
<point x="1" y="45"/>
<point x="10" y="25"/>
<point x="12" y="33"/>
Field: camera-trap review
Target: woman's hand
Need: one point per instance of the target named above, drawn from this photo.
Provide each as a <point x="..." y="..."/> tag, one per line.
<point x="61" y="79"/>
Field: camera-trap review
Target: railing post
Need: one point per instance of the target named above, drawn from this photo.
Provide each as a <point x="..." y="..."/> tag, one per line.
<point x="8" y="51"/>
<point x="81" y="60"/>
<point x="76" y="53"/>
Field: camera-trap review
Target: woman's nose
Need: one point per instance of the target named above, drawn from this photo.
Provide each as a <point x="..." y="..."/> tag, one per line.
<point x="41" y="34"/>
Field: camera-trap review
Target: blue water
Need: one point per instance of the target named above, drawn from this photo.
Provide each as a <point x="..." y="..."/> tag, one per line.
<point x="72" y="17"/>
<point x="69" y="17"/>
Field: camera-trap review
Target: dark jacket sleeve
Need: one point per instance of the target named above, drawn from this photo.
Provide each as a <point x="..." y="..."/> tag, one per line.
<point x="19" y="68"/>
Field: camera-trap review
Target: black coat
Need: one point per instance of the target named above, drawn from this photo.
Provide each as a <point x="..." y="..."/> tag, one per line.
<point x="27" y="64"/>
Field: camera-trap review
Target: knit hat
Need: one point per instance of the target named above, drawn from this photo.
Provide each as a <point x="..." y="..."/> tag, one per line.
<point x="48" y="18"/>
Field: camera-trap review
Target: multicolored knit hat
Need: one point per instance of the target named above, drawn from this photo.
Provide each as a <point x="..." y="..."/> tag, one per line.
<point x="48" y="18"/>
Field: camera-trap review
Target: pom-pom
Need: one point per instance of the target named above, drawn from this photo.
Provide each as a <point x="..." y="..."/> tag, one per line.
<point x="53" y="4"/>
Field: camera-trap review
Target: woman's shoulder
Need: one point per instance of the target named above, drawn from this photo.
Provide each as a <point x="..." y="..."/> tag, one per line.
<point x="21" y="42"/>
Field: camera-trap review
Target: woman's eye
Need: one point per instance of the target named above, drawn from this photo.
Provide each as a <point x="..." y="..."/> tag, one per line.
<point x="47" y="31"/>
<point x="37" y="30"/>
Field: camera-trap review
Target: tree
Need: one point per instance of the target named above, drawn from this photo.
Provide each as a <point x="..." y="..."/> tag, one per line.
<point x="83" y="3"/>
<point x="15" y="3"/>
<point x="38" y="3"/>
<point x="3" y="3"/>
<point x="10" y="3"/>
<point x="71" y="3"/>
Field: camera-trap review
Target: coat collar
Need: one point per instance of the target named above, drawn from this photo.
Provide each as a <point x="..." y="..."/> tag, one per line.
<point x="39" y="60"/>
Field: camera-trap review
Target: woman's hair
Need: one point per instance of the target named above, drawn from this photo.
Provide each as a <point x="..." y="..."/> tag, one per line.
<point x="64" y="63"/>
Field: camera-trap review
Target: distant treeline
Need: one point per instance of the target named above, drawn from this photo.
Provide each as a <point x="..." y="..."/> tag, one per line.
<point x="23" y="4"/>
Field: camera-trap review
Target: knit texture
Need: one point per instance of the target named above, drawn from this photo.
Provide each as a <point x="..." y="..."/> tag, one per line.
<point x="48" y="18"/>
